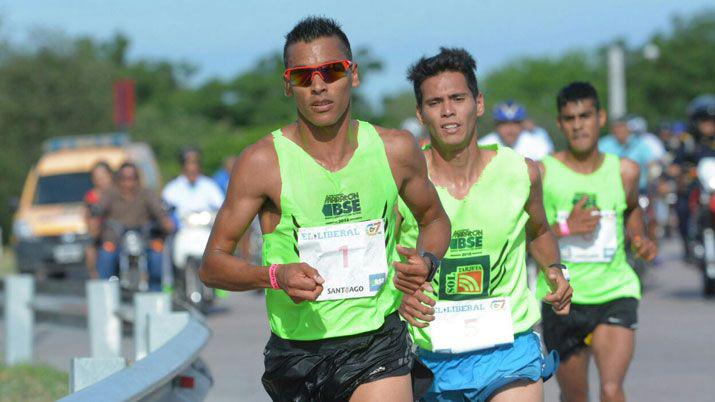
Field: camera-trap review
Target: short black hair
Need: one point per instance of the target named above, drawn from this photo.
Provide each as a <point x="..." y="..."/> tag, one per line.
<point x="312" y="28"/>
<point x="448" y="59"/>
<point x="185" y="152"/>
<point x="577" y="91"/>
<point x="127" y="165"/>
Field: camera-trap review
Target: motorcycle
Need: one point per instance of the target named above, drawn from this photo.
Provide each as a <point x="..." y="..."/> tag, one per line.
<point x="188" y="249"/>
<point x="133" y="258"/>
<point x="704" y="249"/>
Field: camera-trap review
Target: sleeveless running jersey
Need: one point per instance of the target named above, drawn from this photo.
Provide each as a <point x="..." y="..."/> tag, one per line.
<point x="487" y="253"/>
<point x="312" y="196"/>
<point x="599" y="270"/>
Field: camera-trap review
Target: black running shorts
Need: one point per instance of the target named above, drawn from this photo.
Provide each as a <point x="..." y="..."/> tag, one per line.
<point x="331" y="369"/>
<point x="568" y="334"/>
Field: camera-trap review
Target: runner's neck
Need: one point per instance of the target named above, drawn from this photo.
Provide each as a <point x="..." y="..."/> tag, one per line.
<point x="332" y="146"/>
<point x="457" y="170"/>
<point x="585" y="163"/>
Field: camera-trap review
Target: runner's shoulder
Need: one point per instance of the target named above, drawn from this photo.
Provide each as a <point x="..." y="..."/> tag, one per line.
<point x="630" y="169"/>
<point x="257" y="160"/>
<point x="400" y="144"/>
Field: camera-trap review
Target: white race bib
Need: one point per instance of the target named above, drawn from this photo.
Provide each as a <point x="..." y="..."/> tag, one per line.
<point x="351" y="257"/>
<point x="599" y="246"/>
<point x="465" y="326"/>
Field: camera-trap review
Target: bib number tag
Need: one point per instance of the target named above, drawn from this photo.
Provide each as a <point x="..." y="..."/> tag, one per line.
<point x="465" y="326"/>
<point x="351" y="257"/>
<point x="599" y="246"/>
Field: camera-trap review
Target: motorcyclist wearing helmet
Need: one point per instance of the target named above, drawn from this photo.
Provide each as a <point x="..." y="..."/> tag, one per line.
<point x="509" y="117"/>
<point x="701" y="126"/>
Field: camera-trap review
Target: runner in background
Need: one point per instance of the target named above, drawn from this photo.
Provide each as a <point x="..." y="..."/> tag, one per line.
<point x="591" y="201"/>
<point x="481" y="345"/>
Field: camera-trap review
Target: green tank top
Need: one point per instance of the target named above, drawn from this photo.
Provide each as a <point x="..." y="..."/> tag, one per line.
<point x="313" y="196"/>
<point x="487" y="253"/>
<point x="592" y="282"/>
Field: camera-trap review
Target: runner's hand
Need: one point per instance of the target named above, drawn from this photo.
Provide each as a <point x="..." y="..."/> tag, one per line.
<point x="561" y="291"/>
<point x="417" y="307"/>
<point x="583" y="220"/>
<point x="300" y="281"/>
<point x="411" y="274"/>
<point x="644" y="248"/>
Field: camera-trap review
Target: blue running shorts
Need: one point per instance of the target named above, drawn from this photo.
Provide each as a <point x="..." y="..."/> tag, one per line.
<point x="477" y="376"/>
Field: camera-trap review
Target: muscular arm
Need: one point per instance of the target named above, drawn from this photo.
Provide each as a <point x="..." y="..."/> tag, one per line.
<point x="542" y="242"/>
<point x="543" y="246"/>
<point x="635" y="228"/>
<point x="542" y="172"/>
<point x="633" y="216"/>
<point x="253" y="174"/>
<point x="410" y="170"/>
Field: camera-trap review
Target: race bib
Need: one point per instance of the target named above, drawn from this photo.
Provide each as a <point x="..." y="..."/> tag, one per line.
<point x="465" y="326"/>
<point x="351" y="257"/>
<point x="599" y="246"/>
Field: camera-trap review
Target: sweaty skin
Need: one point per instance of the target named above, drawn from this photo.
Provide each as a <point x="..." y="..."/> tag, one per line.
<point x="450" y="111"/>
<point x="324" y="130"/>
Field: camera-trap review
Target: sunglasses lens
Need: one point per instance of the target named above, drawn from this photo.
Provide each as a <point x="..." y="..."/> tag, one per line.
<point x="333" y="72"/>
<point x="303" y="77"/>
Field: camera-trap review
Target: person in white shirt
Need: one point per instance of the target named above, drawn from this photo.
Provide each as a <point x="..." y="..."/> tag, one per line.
<point x="509" y="131"/>
<point x="192" y="191"/>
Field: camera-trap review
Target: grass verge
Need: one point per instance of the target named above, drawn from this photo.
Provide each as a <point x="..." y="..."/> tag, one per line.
<point x="32" y="383"/>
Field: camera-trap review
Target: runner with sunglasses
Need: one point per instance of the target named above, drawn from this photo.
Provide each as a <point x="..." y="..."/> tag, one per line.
<point x="479" y="341"/>
<point x="325" y="189"/>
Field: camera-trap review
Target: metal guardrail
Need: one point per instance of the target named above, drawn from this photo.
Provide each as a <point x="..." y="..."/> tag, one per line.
<point x="166" y="344"/>
<point x="150" y="378"/>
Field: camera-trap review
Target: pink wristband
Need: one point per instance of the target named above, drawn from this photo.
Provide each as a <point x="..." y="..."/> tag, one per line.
<point x="564" y="228"/>
<point x="272" y="276"/>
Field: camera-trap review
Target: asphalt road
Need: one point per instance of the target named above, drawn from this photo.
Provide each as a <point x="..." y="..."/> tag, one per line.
<point x="674" y="359"/>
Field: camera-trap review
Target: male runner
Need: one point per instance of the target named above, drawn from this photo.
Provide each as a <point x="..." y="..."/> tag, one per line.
<point x="589" y="197"/>
<point x="325" y="188"/>
<point x="480" y="345"/>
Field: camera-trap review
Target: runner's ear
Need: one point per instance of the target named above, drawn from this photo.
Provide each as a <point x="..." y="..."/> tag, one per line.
<point x="602" y="116"/>
<point x="418" y="113"/>
<point x="354" y="77"/>
<point x="287" y="89"/>
<point x="480" y="104"/>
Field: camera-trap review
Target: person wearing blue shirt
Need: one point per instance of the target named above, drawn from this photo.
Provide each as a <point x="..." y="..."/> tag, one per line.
<point x="626" y="144"/>
<point x="223" y="175"/>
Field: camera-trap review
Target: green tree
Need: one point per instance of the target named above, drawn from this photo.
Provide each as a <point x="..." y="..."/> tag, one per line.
<point x="660" y="89"/>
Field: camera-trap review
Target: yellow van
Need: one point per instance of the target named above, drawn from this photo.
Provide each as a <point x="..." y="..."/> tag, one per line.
<point x="49" y="233"/>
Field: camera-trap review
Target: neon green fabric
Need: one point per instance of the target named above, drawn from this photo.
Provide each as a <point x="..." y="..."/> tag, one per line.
<point x="487" y="254"/>
<point x="313" y="196"/>
<point x="592" y="282"/>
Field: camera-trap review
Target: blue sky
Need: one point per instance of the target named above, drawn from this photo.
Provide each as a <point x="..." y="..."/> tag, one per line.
<point x="224" y="37"/>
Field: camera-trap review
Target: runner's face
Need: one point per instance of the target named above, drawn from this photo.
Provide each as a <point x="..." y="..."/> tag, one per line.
<point x="509" y="132"/>
<point x="581" y="123"/>
<point x="321" y="104"/>
<point x="449" y="110"/>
